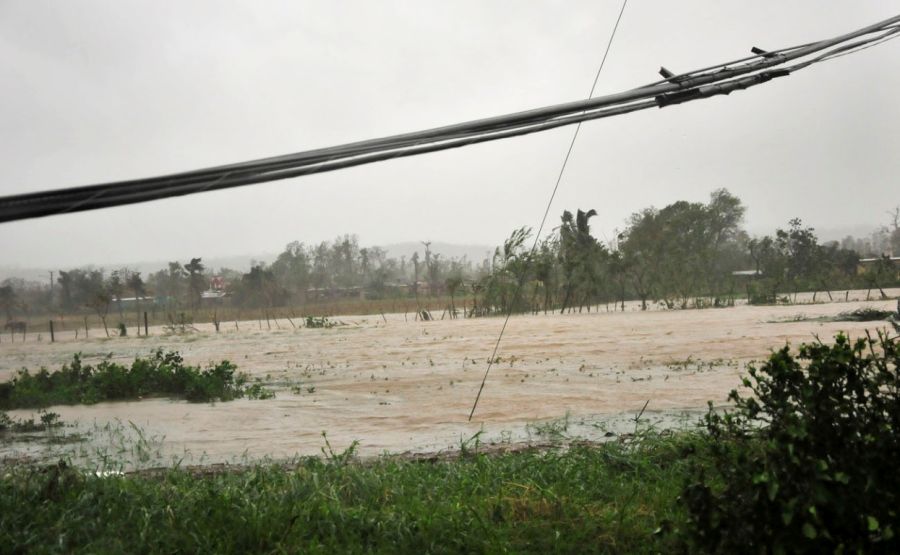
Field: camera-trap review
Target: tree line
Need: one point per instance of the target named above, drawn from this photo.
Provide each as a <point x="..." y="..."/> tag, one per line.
<point x="684" y="255"/>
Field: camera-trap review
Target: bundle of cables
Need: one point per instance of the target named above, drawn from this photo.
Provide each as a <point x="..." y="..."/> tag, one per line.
<point x="760" y="67"/>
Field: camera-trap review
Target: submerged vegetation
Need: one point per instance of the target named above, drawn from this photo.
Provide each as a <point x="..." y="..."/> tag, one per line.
<point x="801" y="463"/>
<point x="321" y="322"/>
<point x="46" y="421"/>
<point x="866" y="314"/>
<point x="161" y="374"/>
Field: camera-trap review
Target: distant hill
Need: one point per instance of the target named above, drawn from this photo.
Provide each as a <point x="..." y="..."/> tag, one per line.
<point x="838" y="233"/>
<point x="242" y="263"/>
<point x="475" y="253"/>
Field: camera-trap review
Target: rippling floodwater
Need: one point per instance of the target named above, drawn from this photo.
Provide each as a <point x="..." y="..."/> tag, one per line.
<point x="402" y="385"/>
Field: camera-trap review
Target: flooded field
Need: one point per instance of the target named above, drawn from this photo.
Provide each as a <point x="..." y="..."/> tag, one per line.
<point x="395" y="384"/>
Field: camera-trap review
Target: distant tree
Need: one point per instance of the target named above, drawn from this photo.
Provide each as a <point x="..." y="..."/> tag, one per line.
<point x="169" y="282"/>
<point x="453" y="283"/>
<point x="99" y="298"/>
<point x="116" y="287"/>
<point x="544" y="268"/>
<point x="137" y="286"/>
<point x="260" y="288"/>
<point x="196" y="281"/>
<point x="618" y="272"/>
<point x="640" y="248"/>
<point x="800" y="245"/>
<point x="771" y="264"/>
<point x="433" y="269"/>
<point x="882" y="272"/>
<point x="9" y="300"/>
<point x="64" y="282"/>
<point x="501" y="288"/>
<point x="415" y="283"/>
<point x="894" y="231"/>
<point x="578" y="253"/>
<point x="292" y="270"/>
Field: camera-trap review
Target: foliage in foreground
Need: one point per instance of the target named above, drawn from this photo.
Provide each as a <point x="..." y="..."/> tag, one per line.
<point x="585" y="499"/>
<point x="807" y="462"/>
<point x="161" y="374"/>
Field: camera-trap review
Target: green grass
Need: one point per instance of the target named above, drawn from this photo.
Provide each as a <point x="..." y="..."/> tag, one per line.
<point x="161" y="374"/>
<point x="590" y="498"/>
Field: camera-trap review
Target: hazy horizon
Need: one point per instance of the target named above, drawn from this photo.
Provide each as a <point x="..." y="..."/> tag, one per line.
<point x="243" y="261"/>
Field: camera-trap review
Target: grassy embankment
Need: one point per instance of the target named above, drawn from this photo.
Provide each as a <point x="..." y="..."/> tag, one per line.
<point x="607" y="498"/>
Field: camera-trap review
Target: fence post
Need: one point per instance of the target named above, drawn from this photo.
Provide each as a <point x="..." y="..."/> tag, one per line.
<point x="52" y="338"/>
<point x="146" y="333"/>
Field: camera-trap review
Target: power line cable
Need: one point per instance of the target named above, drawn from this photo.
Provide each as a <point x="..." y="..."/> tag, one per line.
<point x="674" y="89"/>
<point x="537" y="236"/>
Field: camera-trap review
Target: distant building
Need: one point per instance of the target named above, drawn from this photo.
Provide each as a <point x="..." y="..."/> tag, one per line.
<point x="217" y="283"/>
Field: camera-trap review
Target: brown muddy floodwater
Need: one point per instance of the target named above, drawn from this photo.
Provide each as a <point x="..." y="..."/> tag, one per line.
<point x="400" y="385"/>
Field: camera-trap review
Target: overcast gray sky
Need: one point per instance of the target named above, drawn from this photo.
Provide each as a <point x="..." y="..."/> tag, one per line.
<point x="96" y="91"/>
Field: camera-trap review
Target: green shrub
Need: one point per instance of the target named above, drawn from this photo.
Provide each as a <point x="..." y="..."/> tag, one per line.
<point x="321" y="322"/>
<point x="807" y="462"/>
<point x="163" y="374"/>
<point x="18" y="425"/>
<point x="866" y="314"/>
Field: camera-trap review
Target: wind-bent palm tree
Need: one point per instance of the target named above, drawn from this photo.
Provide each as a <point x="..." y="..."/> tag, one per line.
<point x="196" y="283"/>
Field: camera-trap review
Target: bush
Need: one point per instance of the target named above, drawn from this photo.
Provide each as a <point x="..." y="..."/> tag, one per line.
<point x="807" y="462"/>
<point x="48" y="420"/>
<point x="163" y="373"/>
<point x="321" y="322"/>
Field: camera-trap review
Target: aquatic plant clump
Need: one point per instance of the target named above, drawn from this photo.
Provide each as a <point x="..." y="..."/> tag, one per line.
<point x="161" y="374"/>
<point x="866" y="314"/>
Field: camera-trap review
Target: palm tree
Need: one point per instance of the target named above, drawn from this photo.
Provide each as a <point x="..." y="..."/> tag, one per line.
<point x="8" y="301"/>
<point x="576" y="249"/>
<point x="196" y="283"/>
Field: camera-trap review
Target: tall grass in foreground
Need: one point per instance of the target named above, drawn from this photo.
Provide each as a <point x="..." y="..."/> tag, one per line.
<point x="607" y="498"/>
